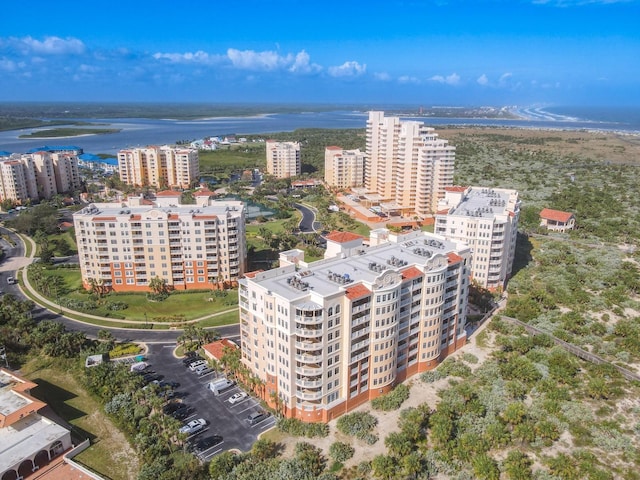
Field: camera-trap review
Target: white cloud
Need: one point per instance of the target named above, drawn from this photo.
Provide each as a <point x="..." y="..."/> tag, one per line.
<point x="302" y="64"/>
<point x="348" y="69"/>
<point x="49" y="46"/>
<point x="504" y="79"/>
<point x="382" y="76"/>
<point x="252" y="60"/>
<point x="7" y="65"/>
<point x="453" y="79"/>
<point x="198" y="57"/>
<point x="483" y="80"/>
<point x="408" y="79"/>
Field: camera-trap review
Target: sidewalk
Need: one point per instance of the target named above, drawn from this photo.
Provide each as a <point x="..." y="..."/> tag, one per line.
<point x="53" y="307"/>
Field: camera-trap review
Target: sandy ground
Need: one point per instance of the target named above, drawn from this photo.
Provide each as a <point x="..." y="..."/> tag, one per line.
<point x="388" y="421"/>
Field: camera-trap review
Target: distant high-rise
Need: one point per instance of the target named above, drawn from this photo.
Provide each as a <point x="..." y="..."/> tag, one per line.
<point x="283" y="159"/>
<point x="486" y="219"/>
<point x="407" y="164"/>
<point x="38" y="175"/>
<point x="159" y="167"/>
<point x="344" y="168"/>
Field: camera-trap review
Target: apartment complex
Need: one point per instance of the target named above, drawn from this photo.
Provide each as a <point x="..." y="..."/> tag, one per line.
<point x="330" y="335"/>
<point x="283" y="159"/>
<point x="28" y="440"/>
<point x="486" y="219"/>
<point x="38" y="175"/>
<point x="408" y="166"/>
<point x="344" y="168"/>
<point x="159" y="167"/>
<point x="123" y="246"/>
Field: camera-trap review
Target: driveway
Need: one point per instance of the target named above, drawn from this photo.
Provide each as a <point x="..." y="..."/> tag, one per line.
<point x="222" y="418"/>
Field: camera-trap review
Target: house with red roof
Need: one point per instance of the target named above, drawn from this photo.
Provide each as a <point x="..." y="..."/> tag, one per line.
<point x="557" y="220"/>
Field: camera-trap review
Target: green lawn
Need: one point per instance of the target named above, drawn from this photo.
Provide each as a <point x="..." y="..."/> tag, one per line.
<point x="274" y="226"/>
<point x="58" y="385"/>
<point x="178" y="306"/>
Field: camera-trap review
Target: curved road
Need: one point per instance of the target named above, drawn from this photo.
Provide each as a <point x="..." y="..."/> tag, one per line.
<point x="14" y="259"/>
<point x="308" y="224"/>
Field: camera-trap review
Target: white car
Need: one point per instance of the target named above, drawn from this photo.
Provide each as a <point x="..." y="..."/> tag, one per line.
<point x="237" y="397"/>
<point x="194" y="426"/>
<point x="195" y="365"/>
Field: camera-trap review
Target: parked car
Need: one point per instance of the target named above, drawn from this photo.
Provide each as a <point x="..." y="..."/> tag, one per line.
<point x="169" y="383"/>
<point x="194" y="365"/>
<point x="194" y="426"/>
<point x="11" y="280"/>
<point x="257" y="417"/>
<point x="203" y="371"/>
<point x="182" y="412"/>
<point x="205" y="443"/>
<point x="189" y="360"/>
<point x="170" y="408"/>
<point x="237" y="397"/>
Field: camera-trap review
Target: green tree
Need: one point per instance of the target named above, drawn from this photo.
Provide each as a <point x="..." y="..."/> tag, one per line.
<point x="517" y="466"/>
<point x="485" y="467"/>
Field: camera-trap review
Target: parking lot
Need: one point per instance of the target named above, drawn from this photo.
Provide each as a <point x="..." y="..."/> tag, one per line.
<point x="223" y="418"/>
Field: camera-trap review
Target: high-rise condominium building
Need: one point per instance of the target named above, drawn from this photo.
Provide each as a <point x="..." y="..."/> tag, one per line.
<point x="407" y="163"/>
<point x="38" y="175"/>
<point x="486" y="219"/>
<point x="122" y="246"/>
<point x="159" y="167"/>
<point x="330" y="335"/>
<point x="344" y="168"/>
<point x="283" y="159"/>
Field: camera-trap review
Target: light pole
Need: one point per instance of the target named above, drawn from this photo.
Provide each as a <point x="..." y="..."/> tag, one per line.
<point x="146" y="324"/>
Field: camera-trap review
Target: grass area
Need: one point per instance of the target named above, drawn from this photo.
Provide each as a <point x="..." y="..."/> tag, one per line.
<point x="274" y="226"/>
<point x="69" y="132"/>
<point x="224" y="161"/>
<point x="228" y="318"/>
<point x="58" y="385"/>
<point x="28" y="248"/>
<point x="177" y="307"/>
<point x="63" y="238"/>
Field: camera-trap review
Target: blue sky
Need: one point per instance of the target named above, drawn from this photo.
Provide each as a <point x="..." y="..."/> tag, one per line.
<point x="427" y="52"/>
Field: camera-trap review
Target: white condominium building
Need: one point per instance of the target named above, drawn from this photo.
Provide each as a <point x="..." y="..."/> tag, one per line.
<point x="344" y="168"/>
<point x="122" y="246"/>
<point x="38" y="175"/>
<point x="486" y="219"/>
<point x="330" y="335"/>
<point x="159" y="167"/>
<point x="407" y="163"/>
<point x="283" y="159"/>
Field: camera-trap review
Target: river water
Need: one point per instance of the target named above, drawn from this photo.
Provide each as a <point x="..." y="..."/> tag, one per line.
<point x="142" y="131"/>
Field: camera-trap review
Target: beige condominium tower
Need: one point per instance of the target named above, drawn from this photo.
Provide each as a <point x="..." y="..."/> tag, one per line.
<point x="283" y="159"/>
<point x="159" y="167"/>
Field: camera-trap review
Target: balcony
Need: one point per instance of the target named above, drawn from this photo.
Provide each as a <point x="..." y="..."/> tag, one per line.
<point x="306" y="320"/>
<point x="309" y="358"/>
<point x="308" y="333"/>
<point x="310" y="394"/>
<point x="309" y="370"/>
<point x="308" y="346"/>
<point x="360" y="333"/>
<point x="301" y="382"/>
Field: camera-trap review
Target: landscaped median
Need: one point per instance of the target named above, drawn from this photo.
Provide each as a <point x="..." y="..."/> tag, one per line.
<point x="60" y="289"/>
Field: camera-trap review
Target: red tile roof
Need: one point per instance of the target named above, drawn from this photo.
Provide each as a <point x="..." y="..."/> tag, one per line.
<point x="215" y="349"/>
<point x="205" y="217"/>
<point x="556" y="215"/>
<point x="343" y="237"/>
<point x="453" y="258"/>
<point x="357" y="291"/>
<point x="253" y="274"/>
<point x="203" y="192"/>
<point x="411" y="272"/>
<point x="333" y="147"/>
<point x="168" y="193"/>
<point x="455" y="188"/>
<point x="442" y="212"/>
<point x="97" y="219"/>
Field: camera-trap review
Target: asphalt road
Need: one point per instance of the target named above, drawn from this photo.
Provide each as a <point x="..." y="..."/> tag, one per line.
<point x="308" y="223"/>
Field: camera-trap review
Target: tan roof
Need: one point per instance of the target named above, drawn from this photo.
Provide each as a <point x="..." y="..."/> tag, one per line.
<point x="357" y="291"/>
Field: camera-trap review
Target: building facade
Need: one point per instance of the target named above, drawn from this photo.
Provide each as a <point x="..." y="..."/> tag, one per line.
<point x="328" y="336"/>
<point x="123" y="246"/>
<point x="159" y="167"/>
<point x="407" y="163"/>
<point x="557" y="220"/>
<point x="29" y="440"/>
<point x="38" y="175"/>
<point x="486" y="219"/>
<point x="344" y="168"/>
<point x="283" y="159"/>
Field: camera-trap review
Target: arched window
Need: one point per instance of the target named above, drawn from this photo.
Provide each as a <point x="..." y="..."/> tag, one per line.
<point x="330" y="311"/>
<point x="337" y="309"/>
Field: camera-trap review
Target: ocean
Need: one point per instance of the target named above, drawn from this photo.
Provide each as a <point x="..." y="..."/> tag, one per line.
<point x="142" y="131"/>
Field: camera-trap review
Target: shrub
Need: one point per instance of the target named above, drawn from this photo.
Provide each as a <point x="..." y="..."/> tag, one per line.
<point x="392" y="400"/>
<point x="431" y="376"/>
<point x="123" y="349"/>
<point x="359" y="425"/>
<point x="469" y="358"/>
<point x="340" y="451"/>
<point x="298" y="428"/>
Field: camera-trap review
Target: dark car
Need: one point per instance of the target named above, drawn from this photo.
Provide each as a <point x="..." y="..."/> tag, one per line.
<point x="189" y="360"/>
<point x="182" y="412"/>
<point x="151" y="377"/>
<point x="205" y="444"/>
<point x="170" y="408"/>
<point x="168" y="383"/>
<point x="257" y="417"/>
